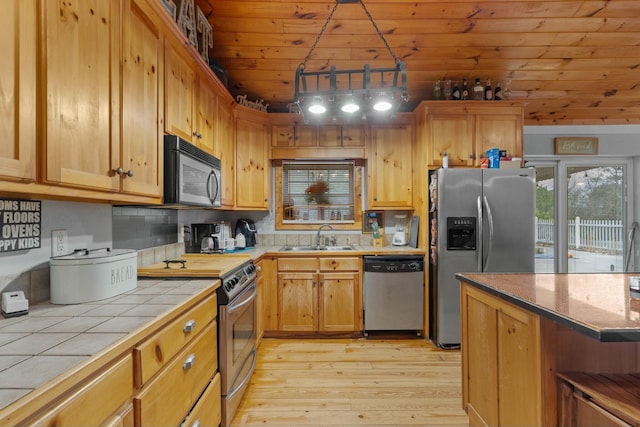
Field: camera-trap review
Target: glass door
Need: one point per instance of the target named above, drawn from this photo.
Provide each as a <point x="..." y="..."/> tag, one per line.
<point x="582" y="215"/>
<point x="596" y="205"/>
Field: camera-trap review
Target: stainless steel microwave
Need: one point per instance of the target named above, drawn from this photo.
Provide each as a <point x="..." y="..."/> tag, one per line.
<point x="191" y="176"/>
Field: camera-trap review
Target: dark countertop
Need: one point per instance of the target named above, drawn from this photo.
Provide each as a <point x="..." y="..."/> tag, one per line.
<point x="599" y="305"/>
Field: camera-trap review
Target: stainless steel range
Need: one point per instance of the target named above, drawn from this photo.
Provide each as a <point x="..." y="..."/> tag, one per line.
<point x="236" y="336"/>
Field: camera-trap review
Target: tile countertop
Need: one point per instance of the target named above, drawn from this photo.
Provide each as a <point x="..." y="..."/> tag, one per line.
<point x="599" y="305"/>
<point x="52" y="339"/>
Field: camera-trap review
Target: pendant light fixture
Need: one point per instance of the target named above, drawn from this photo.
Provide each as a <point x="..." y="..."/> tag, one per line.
<point x="349" y="94"/>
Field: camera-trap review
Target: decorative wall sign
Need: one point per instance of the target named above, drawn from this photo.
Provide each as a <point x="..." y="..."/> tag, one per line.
<point x="193" y="24"/>
<point x="257" y="105"/>
<point x="576" y="145"/>
<point x="20" y="224"/>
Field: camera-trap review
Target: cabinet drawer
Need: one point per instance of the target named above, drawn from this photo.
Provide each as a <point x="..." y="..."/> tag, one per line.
<point x="340" y="264"/>
<point x="167" y="399"/>
<point x="589" y="414"/>
<point x="154" y="353"/>
<point x="96" y="401"/>
<point x="297" y="264"/>
<point x="208" y="410"/>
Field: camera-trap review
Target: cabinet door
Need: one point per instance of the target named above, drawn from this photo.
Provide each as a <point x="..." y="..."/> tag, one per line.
<point x="142" y="89"/>
<point x="180" y="83"/>
<point x="18" y="96"/>
<point x="519" y="387"/>
<point x="225" y="151"/>
<point x="329" y="136"/>
<point x="282" y="135"/>
<point x="82" y="81"/>
<point x="205" y="117"/>
<point x="353" y="136"/>
<point x="451" y="134"/>
<point x="297" y="301"/>
<point x="480" y="340"/>
<point x="339" y="302"/>
<point x="305" y="135"/>
<point x="251" y="164"/>
<point x="502" y="131"/>
<point x="390" y="167"/>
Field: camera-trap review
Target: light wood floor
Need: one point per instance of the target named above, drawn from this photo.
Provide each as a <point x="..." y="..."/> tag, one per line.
<point x="353" y="382"/>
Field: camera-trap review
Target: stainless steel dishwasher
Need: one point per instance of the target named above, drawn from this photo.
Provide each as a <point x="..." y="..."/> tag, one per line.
<point x="393" y="293"/>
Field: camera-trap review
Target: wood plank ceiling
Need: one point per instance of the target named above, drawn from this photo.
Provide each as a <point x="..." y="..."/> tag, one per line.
<point x="568" y="61"/>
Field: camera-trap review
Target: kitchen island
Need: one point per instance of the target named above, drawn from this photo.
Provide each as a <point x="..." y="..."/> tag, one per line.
<point x="549" y="349"/>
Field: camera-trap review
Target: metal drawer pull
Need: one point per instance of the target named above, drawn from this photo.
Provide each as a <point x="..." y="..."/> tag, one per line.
<point x="188" y="363"/>
<point x="196" y="423"/>
<point x="189" y="326"/>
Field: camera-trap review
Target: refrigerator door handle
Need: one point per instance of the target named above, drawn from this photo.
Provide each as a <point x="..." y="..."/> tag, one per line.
<point x="490" y="220"/>
<point x="479" y="244"/>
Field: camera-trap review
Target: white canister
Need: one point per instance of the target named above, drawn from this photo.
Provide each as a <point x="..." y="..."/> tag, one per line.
<point x="86" y="276"/>
<point x="241" y="241"/>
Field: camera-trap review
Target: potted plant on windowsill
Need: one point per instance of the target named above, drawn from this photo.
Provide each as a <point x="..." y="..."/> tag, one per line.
<point x="317" y="192"/>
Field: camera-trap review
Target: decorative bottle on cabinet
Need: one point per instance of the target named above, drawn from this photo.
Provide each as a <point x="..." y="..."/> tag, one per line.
<point x="455" y="95"/>
<point x="488" y="92"/>
<point x="478" y="91"/>
<point x="497" y="94"/>
<point x="465" y="90"/>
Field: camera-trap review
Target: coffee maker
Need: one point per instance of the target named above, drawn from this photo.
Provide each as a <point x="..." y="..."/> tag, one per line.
<point x="198" y="231"/>
<point x="248" y="229"/>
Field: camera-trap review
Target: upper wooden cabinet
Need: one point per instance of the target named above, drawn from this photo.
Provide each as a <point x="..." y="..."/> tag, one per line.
<point x="289" y="130"/>
<point x="103" y="89"/>
<point x="341" y="136"/>
<point x="252" y="160"/>
<point x="81" y="84"/>
<point x="291" y="138"/>
<point x="18" y="32"/>
<point x="180" y="89"/>
<point x="225" y="151"/>
<point x="389" y="155"/>
<point x="142" y="100"/>
<point x="191" y="100"/>
<point x="465" y="130"/>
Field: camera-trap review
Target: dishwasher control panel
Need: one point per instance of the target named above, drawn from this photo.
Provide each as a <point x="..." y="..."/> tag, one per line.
<point x="393" y="264"/>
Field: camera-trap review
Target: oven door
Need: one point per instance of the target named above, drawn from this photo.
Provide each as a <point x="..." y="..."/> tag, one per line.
<point x="237" y="349"/>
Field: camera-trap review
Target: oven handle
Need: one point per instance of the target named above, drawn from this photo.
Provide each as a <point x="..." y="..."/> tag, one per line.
<point x="247" y="297"/>
<point x="244" y="381"/>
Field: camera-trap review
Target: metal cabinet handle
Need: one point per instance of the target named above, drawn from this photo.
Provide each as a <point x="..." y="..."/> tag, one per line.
<point x="196" y="423"/>
<point x="189" y="362"/>
<point x="197" y="134"/>
<point x="189" y="326"/>
<point x="120" y="171"/>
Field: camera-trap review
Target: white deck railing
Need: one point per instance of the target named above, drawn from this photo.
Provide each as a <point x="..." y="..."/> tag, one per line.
<point x="587" y="235"/>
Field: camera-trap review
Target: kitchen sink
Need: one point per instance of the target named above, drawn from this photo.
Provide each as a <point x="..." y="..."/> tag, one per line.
<point x="316" y="248"/>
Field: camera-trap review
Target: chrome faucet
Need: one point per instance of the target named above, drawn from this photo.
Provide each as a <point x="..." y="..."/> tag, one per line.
<point x="319" y="230"/>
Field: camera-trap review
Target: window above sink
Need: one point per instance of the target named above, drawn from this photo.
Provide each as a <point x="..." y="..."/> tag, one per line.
<point x="312" y="193"/>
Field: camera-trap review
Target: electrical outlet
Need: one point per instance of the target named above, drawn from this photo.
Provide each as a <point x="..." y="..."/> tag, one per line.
<point x="59" y="243"/>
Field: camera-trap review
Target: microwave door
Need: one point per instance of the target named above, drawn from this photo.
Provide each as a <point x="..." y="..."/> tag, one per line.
<point x="194" y="182"/>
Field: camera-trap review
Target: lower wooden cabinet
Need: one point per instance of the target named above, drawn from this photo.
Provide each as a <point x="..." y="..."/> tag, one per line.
<point x="169" y="396"/>
<point x="96" y="401"/>
<point x="319" y="294"/>
<point x="501" y="365"/>
<point x="598" y="400"/>
<point x="207" y="412"/>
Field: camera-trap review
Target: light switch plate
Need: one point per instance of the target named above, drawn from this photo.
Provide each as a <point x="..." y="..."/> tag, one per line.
<point x="59" y="243"/>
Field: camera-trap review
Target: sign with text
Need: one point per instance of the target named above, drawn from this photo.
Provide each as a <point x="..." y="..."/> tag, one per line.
<point x="576" y="145"/>
<point x="20" y="224"/>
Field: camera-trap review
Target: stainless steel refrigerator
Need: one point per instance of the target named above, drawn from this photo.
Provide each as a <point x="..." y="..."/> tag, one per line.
<point x="481" y="220"/>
